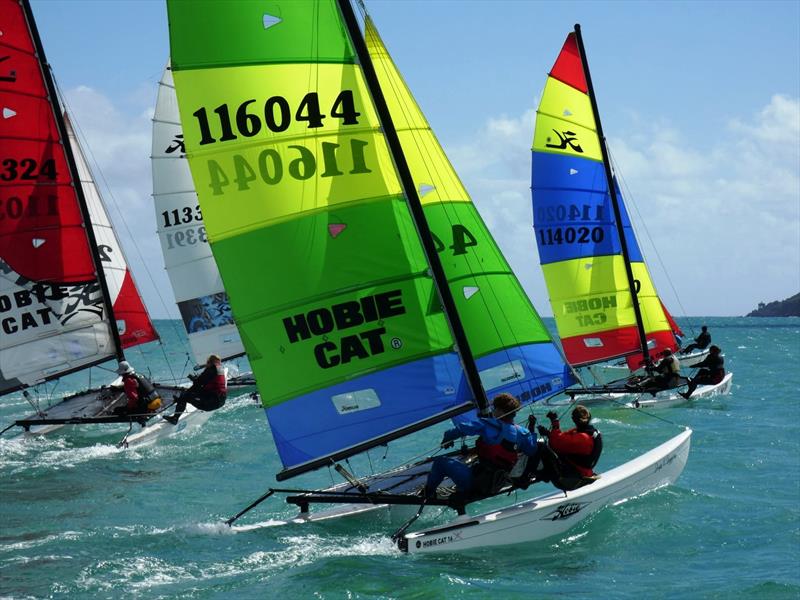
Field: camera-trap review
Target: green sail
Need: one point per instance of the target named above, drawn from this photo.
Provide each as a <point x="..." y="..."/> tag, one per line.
<point x="315" y="243"/>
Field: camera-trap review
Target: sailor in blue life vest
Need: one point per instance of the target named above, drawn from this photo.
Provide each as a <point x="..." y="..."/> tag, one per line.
<point x="139" y="390"/>
<point x="701" y="342"/>
<point x="500" y="440"/>
<point x="208" y="391"/>
<point x="712" y="371"/>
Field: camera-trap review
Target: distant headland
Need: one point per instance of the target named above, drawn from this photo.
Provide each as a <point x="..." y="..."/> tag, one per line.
<point x="780" y="308"/>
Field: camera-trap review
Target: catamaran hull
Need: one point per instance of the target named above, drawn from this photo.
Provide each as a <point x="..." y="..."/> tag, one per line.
<point x="604" y="374"/>
<point x="555" y="513"/>
<point x="158" y="429"/>
<point x="664" y="400"/>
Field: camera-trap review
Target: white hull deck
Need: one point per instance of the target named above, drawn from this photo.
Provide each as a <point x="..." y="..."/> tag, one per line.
<point x="554" y="513"/>
<point x="641" y="400"/>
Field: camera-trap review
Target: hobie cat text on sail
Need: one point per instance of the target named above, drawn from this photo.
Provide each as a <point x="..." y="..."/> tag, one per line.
<point x="344" y="315"/>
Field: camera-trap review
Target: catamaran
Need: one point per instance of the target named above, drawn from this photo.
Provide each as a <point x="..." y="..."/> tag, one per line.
<point x="371" y="299"/>
<point x="603" y="299"/>
<point x="67" y="297"/>
<point x="196" y="283"/>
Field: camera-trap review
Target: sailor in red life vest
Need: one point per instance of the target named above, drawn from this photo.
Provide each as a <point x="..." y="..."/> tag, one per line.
<point x="577" y="449"/>
<point x="497" y="447"/>
<point x="208" y="391"/>
<point x="139" y="390"/>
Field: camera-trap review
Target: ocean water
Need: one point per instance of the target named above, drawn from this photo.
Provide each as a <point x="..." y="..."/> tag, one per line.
<point x="80" y="518"/>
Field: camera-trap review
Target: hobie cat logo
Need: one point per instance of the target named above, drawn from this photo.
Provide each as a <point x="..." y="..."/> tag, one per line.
<point x="566" y="138"/>
<point x="564" y="511"/>
<point x="177" y="145"/>
<point x="323" y="321"/>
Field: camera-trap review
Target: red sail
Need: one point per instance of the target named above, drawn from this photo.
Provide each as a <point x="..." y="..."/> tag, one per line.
<point x="128" y="308"/>
<point x="41" y="230"/>
<point x="53" y="313"/>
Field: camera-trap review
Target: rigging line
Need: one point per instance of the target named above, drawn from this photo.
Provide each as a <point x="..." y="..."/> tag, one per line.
<point x="630" y="201"/>
<point x="88" y="149"/>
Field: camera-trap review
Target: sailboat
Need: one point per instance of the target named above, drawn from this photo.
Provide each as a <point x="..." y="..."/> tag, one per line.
<point x="367" y="289"/>
<point x="196" y="284"/>
<point x="603" y="299"/>
<point x="67" y="296"/>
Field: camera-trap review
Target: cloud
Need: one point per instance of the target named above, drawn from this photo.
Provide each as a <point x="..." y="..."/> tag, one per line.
<point x="117" y="145"/>
<point x="723" y="216"/>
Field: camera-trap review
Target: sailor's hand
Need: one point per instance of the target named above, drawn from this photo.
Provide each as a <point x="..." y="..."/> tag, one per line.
<point x="447" y="443"/>
<point x="552" y="416"/>
<point x="543" y="431"/>
<point x="192" y="376"/>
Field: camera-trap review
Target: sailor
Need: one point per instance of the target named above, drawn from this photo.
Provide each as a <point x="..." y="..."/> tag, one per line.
<point x="140" y="391"/>
<point x="701" y="342"/>
<point x="207" y="392"/>
<point x="574" y="453"/>
<point x="712" y="371"/>
<point x="500" y="440"/>
<point x="664" y="376"/>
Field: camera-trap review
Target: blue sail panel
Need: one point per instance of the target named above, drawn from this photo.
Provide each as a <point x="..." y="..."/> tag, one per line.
<point x="323" y="422"/>
<point x="573" y="215"/>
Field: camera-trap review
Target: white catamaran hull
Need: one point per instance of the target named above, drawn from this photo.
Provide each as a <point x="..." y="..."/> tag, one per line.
<point x="664" y="399"/>
<point x="604" y="374"/>
<point x="554" y="513"/>
<point x="157" y="429"/>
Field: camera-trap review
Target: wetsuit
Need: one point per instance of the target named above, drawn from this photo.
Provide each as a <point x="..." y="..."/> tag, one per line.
<point x="208" y="392"/>
<point x="712" y="370"/>
<point x="701" y="342"/>
<point x="497" y="449"/>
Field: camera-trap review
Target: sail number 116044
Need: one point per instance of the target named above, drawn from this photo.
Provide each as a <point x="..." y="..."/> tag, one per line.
<point x="276" y="116"/>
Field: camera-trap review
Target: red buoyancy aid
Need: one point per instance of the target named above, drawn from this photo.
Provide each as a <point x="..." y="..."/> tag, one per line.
<point x="218" y="384"/>
<point x="502" y="455"/>
<point x="568" y="442"/>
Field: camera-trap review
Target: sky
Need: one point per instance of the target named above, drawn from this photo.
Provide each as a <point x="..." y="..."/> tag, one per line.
<point x="700" y="102"/>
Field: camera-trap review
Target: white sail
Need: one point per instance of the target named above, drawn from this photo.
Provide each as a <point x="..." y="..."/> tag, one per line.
<point x="133" y="322"/>
<point x="195" y="279"/>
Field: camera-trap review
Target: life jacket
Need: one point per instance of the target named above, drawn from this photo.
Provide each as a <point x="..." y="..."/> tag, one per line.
<point x="148" y="395"/>
<point x="586" y="462"/>
<point x="218" y="384"/>
<point x="717" y="369"/>
<point x="501" y="456"/>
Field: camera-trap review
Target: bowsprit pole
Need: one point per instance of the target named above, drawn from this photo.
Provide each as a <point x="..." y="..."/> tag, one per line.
<point x="230" y="521"/>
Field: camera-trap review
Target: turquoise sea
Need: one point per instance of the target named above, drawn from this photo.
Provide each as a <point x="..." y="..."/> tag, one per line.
<point x="80" y="518"/>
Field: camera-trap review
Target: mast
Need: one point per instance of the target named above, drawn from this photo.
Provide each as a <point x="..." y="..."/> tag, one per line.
<point x="417" y="214"/>
<point x="612" y="190"/>
<point x="76" y="181"/>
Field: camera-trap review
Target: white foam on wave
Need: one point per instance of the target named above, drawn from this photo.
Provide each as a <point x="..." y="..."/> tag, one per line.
<point x="41" y="541"/>
<point x="22" y="454"/>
